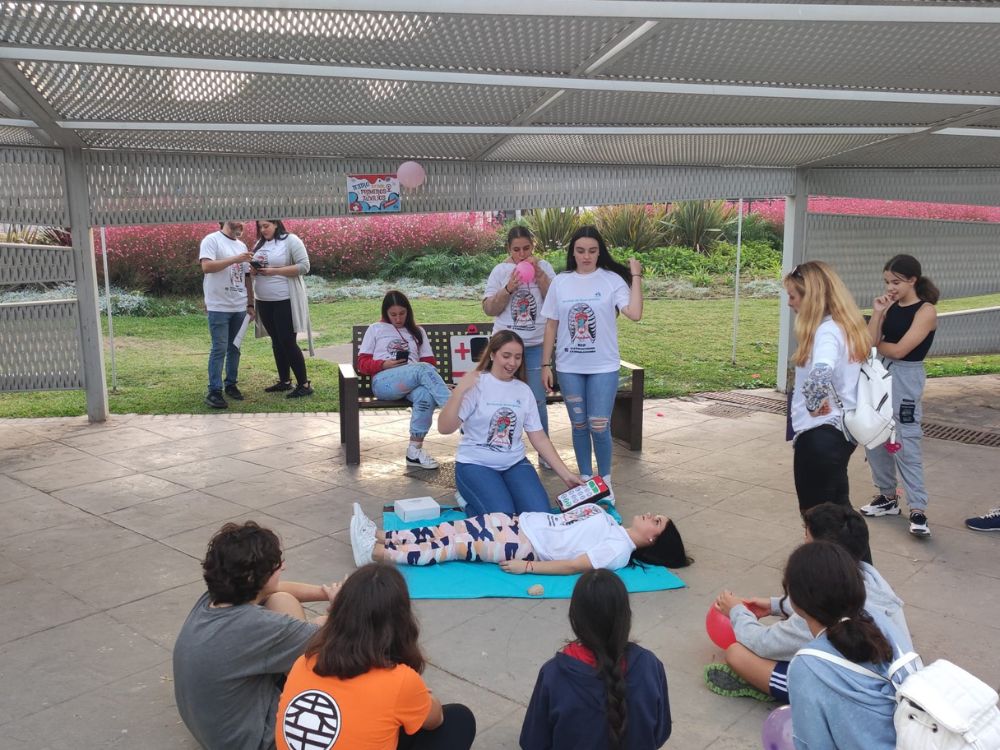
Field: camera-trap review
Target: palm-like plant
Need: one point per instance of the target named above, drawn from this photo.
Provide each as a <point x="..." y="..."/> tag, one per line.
<point x="700" y="224"/>
<point x="634" y="227"/>
<point x="553" y="227"/>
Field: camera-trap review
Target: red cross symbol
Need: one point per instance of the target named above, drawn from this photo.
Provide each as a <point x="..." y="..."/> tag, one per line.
<point x="462" y="350"/>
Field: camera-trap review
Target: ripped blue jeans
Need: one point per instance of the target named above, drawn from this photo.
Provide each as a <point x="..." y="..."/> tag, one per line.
<point x="589" y="400"/>
<point x="420" y="384"/>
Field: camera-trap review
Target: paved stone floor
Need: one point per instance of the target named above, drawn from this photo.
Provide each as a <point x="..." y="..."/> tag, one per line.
<point x="104" y="526"/>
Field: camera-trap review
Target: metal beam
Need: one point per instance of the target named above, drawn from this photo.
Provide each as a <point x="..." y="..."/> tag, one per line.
<point x="639" y="9"/>
<point x="793" y="253"/>
<point x="22" y="94"/>
<point x="414" y="75"/>
<point x="481" y="129"/>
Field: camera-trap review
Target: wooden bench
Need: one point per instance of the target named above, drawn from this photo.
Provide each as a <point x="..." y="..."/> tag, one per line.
<point x="356" y="391"/>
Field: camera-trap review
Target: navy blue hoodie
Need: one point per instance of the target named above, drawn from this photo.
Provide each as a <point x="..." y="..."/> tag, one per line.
<point x="567" y="708"/>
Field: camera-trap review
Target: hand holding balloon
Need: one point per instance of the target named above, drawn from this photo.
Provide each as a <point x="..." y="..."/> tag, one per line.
<point x="719" y="628"/>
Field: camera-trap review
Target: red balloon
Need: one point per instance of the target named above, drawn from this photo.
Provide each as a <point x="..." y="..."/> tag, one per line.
<point x="719" y="628"/>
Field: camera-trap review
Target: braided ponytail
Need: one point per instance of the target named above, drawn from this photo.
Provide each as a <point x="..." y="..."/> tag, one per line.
<point x="601" y="618"/>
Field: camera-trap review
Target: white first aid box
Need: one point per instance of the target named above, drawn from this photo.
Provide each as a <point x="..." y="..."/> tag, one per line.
<point x="417" y="508"/>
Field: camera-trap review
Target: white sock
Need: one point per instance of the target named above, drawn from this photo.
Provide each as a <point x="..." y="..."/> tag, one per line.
<point x="413" y="448"/>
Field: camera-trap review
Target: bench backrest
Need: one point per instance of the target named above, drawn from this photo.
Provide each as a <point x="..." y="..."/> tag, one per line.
<point x="438" y="334"/>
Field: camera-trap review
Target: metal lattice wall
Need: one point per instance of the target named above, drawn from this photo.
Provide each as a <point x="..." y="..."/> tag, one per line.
<point x="40" y="346"/>
<point x="27" y="264"/>
<point x="963" y="258"/>
<point x="149" y="188"/>
<point x="32" y="187"/>
<point x="972" y="332"/>
<point x="972" y="186"/>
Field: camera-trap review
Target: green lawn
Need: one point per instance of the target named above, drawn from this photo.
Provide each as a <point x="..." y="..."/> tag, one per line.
<point x="684" y="345"/>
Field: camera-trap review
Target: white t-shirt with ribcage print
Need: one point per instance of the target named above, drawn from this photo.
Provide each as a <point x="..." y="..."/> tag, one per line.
<point x="495" y="413"/>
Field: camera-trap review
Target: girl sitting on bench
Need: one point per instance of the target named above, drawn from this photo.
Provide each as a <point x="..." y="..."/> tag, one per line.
<point x="397" y="356"/>
<point x="578" y="540"/>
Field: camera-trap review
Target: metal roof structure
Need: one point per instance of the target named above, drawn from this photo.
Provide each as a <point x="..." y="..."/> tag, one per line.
<point x="132" y="112"/>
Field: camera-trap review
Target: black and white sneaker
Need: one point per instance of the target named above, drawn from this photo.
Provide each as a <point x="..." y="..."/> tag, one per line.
<point x="881" y="506"/>
<point x="918" y="524"/>
<point x="303" y="389"/>
<point x="418" y="459"/>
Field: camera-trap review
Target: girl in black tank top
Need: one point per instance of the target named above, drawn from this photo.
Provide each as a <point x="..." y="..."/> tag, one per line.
<point x="902" y="328"/>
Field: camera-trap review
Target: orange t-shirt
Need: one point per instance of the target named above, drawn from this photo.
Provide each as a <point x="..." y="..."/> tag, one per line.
<point x="362" y="713"/>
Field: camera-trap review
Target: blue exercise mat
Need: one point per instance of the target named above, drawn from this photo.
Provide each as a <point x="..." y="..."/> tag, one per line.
<point x="475" y="580"/>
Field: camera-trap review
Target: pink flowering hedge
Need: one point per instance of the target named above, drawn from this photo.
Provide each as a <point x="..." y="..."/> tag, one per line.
<point x="164" y="259"/>
<point x="774" y="210"/>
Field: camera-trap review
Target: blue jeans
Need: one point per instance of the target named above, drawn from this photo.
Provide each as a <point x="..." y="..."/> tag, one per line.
<point x="533" y="370"/>
<point x="589" y="400"/>
<point x="511" y="491"/>
<point x="420" y="384"/>
<point x="224" y="326"/>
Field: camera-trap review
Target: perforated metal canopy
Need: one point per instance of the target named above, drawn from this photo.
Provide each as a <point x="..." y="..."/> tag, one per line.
<point x="899" y="83"/>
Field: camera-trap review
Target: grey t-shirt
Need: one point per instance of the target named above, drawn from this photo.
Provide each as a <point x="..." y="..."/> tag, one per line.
<point x="229" y="666"/>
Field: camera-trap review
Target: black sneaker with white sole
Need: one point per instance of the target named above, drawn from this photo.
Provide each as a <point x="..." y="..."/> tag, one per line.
<point x="918" y="524"/>
<point x="881" y="506"/>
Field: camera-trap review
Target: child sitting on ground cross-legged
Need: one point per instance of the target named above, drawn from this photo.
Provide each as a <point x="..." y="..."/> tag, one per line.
<point x="240" y="639"/>
<point x="358" y="684"/>
<point x="757" y="664"/>
<point x="600" y="691"/>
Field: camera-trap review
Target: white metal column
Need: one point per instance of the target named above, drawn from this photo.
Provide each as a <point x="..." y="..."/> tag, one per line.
<point x="92" y="342"/>
<point x="796" y="208"/>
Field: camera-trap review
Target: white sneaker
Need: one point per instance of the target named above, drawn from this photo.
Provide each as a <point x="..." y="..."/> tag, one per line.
<point x="419" y="459"/>
<point x="543" y="464"/>
<point x="362" y="537"/>
<point x="460" y="500"/>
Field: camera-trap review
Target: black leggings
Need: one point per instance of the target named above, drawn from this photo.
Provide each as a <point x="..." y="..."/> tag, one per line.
<point x="820" y="467"/>
<point x="277" y="319"/>
<point x="456" y="732"/>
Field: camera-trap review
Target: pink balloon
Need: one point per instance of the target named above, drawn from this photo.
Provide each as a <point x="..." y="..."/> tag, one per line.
<point x="411" y="174"/>
<point x="719" y="628"/>
<point x="526" y="271"/>
<point x="776" y="734"/>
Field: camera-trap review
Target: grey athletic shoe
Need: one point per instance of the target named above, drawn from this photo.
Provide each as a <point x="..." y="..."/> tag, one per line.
<point x="722" y="679"/>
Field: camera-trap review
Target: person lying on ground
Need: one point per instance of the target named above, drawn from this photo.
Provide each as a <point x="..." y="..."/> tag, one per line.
<point x="240" y="639"/>
<point x="580" y="539"/>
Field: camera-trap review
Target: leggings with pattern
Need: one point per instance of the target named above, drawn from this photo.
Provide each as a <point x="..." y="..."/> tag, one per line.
<point x="491" y="538"/>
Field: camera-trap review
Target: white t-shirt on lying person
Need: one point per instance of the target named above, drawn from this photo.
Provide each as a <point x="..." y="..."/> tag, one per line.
<point x="585" y="306"/>
<point x="521" y="313"/>
<point x="495" y="413"/>
<point x="586" y="529"/>
<point x="383" y="340"/>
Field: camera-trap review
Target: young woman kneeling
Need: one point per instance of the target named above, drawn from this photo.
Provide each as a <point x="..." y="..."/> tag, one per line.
<point x="494" y="406"/>
<point x="551" y="544"/>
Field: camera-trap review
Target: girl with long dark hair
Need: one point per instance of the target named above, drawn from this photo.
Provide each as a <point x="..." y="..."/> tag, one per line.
<point x="832" y="343"/>
<point x="397" y="356"/>
<point x="278" y="264"/>
<point x="358" y="683"/>
<point x="515" y="305"/>
<point x="832" y="704"/>
<point x="581" y="310"/>
<point x="902" y="327"/>
<point x="600" y="692"/>
<point x="495" y="409"/>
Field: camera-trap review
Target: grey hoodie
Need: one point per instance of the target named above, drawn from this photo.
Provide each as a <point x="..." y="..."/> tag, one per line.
<point x="782" y="639"/>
